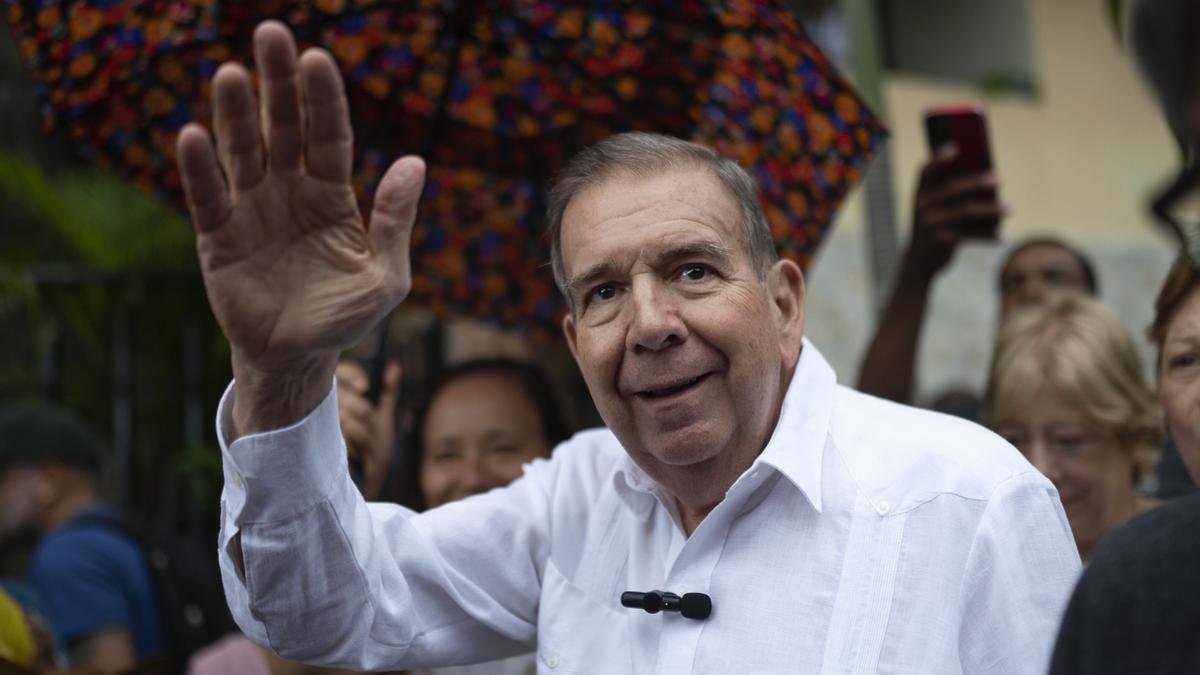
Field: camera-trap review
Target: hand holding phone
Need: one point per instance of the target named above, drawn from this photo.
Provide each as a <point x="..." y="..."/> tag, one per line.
<point x="964" y="127"/>
<point x="957" y="194"/>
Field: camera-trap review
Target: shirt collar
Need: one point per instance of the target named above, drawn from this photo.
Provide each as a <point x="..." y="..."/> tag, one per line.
<point x="796" y="448"/>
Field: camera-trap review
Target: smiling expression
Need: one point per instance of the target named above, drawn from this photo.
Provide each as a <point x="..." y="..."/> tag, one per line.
<point x="686" y="351"/>
<point x="1179" y="381"/>
<point x="479" y="433"/>
<point x="1090" y="468"/>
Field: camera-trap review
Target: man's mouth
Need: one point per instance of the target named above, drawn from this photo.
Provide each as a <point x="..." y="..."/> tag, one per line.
<point x="671" y="390"/>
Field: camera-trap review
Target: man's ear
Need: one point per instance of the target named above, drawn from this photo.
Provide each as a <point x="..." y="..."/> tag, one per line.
<point x="568" y="326"/>
<point x="785" y="283"/>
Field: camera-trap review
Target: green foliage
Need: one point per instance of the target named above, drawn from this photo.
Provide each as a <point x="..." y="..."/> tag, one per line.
<point x="109" y="225"/>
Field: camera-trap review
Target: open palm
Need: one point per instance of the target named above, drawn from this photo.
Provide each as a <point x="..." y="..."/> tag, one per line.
<point x="290" y="266"/>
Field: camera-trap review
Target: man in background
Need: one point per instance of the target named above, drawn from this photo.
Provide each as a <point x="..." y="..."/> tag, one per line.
<point x="93" y="580"/>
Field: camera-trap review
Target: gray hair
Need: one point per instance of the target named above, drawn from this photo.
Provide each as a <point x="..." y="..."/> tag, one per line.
<point x="1165" y="35"/>
<point x="642" y="155"/>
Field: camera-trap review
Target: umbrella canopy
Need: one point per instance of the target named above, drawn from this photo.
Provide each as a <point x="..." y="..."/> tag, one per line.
<point x="495" y="94"/>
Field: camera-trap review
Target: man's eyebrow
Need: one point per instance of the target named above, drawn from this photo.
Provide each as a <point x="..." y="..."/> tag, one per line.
<point x="588" y="277"/>
<point x="694" y="249"/>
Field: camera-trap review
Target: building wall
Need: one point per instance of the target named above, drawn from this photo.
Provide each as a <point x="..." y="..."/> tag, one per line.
<point x="1079" y="160"/>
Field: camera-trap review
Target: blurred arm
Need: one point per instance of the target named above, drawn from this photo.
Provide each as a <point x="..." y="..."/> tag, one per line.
<point x="888" y="369"/>
<point x="948" y="209"/>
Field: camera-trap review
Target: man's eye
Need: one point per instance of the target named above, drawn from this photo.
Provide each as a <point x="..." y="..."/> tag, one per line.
<point x="1056" y="277"/>
<point x="602" y="293"/>
<point x="693" y="272"/>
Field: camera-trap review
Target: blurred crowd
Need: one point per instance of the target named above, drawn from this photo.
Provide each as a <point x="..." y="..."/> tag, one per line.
<point x="1065" y="386"/>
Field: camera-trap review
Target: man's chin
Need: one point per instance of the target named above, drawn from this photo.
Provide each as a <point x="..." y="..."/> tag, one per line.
<point x="684" y="447"/>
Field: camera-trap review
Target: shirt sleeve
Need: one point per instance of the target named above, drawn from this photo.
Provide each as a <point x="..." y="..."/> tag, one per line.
<point x="316" y="574"/>
<point x="1020" y="571"/>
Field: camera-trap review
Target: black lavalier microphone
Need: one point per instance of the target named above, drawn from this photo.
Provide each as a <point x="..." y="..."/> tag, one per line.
<point x="691" y="605"/>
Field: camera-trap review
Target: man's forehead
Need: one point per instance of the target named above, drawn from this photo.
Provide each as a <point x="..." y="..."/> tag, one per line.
<point x="1041" y="256"/>
<point x="675" y="195"/>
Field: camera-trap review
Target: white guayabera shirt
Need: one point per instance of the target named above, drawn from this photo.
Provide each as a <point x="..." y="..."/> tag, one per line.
<point x="867" y="537"/>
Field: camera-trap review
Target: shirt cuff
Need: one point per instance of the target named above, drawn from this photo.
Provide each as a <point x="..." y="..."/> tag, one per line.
<point x="278" y="474"/>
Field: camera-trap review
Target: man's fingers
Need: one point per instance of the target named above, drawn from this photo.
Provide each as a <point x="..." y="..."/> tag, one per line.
<point x="965" y="220"/>
<point x="940" y="164"/>
<point x="236" y="123"/>
<point x="279" y="94"/>
<point x="203" y="185"/>
<point x="390" y="227"/>
<point x="981" y="186"/>
<point x="329" y="145"/>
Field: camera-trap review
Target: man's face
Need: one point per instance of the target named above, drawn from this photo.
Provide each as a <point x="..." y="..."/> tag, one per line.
<point x="682" y="346"/>
<point x="1036" y="272"/>
<point x="18" y="503"/>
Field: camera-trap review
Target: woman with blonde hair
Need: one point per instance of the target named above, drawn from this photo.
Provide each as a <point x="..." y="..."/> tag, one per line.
<point x="1066" y="387"/>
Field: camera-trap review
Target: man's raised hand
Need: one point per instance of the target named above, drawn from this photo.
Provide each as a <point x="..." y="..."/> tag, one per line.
<point x="293" y="273"/>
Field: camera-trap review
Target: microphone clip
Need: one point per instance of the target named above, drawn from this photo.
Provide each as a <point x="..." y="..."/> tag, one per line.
<point x="696" y="606"/>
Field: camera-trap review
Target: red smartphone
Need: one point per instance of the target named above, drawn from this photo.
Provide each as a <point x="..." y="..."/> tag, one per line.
<point x="966" y="127"/>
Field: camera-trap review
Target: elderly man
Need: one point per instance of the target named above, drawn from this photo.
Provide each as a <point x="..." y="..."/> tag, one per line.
<point x="830" y="531"/>
<point x="92" y="576"/>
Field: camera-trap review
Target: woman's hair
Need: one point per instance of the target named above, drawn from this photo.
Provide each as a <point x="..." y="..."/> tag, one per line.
<point x="530" y="381"/>
<point x="1176" y="289"/>
<point x="1080" y="350"/>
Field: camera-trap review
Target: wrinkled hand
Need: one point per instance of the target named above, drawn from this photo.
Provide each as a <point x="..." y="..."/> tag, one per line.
<point x="289" y="265"/>
<point x="369" y="429"/>
<point x="949" y="207"/>
<point x="293" y="273"/>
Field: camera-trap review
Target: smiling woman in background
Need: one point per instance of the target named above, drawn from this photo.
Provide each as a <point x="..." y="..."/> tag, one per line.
<point x="1066" y="388"/>
<point x="483" y="421"/>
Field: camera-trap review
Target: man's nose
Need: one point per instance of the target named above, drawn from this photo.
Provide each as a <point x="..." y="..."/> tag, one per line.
<point x="1033" y="291"/>
<point x="655" y="323"/>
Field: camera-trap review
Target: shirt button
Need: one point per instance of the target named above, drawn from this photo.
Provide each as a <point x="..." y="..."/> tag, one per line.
<point x="883" y="508"/>
<point x="237" y="479"/>
<point x="551" y="660"/>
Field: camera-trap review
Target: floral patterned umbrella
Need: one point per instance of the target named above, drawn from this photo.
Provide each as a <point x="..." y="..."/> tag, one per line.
<point x="496" y="94"/>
